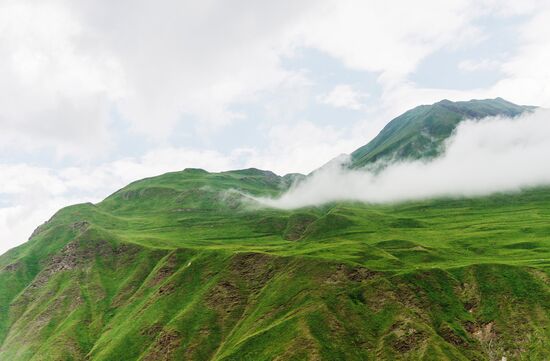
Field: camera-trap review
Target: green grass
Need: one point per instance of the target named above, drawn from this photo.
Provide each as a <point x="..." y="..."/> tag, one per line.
<point x="182" y="267"/>
<point x="420" y="132"/>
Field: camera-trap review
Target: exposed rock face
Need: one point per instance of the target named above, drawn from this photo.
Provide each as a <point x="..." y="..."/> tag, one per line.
<point x="72" y="256"/>
<point x="13" y="267"/>
<point x="344" y="273"/>
<point x="39" y="230"/>
<point x="81" y="226"/>
<point x="254" y="269"/>
<point x="164" y="347"/>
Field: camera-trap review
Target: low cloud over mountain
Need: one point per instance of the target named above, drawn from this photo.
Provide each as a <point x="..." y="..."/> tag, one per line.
<point x="481" y="157"/>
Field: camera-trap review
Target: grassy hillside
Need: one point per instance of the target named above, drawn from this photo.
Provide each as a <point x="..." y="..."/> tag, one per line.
<point x="420" y="132"/>
<point x="183" y="267"/>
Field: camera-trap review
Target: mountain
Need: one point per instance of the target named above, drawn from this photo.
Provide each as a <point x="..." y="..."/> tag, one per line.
<point x="186" y="266"/>
<point x="420" y="132"/>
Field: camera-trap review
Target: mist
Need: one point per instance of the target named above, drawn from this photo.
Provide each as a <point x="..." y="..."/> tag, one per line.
<point x="482" y="157"/>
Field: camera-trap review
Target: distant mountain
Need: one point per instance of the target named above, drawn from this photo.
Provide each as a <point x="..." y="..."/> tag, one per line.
<point x="183" y="266"/>
<point x="420" y="132"/>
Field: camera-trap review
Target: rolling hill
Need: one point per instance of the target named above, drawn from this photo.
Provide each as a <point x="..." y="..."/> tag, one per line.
<point x="184" y="267"/>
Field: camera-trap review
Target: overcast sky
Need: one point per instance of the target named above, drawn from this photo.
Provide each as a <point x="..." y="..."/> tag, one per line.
<point x="95" y="94"/>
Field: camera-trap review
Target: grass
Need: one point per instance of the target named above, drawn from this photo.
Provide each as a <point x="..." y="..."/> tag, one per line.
<point x="420" y="132"/>
<point x="182" y="267"/>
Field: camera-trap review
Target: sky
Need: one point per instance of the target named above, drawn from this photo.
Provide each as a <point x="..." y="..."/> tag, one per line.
<point x="96" y="94"/>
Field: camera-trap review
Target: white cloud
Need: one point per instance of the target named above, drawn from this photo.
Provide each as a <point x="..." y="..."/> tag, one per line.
<point x="301" y="147"/>
<point x="527" y="75"/>
<point x="344" y="96"/>
<point x="66" y="65"/>
<point x="53" y="93"/>
<point x="483" y="157"/>
<point x="192" y="58"/>
<point x="477" y="65"/>
<point x="390" y="37"/>
<point x="33" y="195"/>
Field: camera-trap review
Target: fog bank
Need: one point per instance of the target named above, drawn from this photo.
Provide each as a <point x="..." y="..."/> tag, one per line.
<point x="481" y="157"/>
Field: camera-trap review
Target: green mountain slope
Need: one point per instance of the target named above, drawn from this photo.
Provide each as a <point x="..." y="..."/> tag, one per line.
<point x="185" y="267"/>
<point x="420" y="132"/>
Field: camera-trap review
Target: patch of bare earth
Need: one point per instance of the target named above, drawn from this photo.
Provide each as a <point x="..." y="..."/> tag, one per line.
<point x="225" y="297"/>
<point x="74" y="255"/>
<point x="468" y="293"/>
<point x="246" y="275"/>
<point x="298" y="230"/>
<point x="408" y="338"/>
<point x="152" y="331"/>
<point x="344" y="273"/>
<point x="252" y="269"/>
<point x="165" y="271"/>
<point x="12" y="267"/>
<point x="487" y="336"/>
<point x="164" y="347"/>
<point x="449" y="335"/>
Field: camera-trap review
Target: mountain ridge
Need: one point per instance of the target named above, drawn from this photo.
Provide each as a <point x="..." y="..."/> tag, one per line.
<point x="183" y="267"/>
<point x="420" y="132"/>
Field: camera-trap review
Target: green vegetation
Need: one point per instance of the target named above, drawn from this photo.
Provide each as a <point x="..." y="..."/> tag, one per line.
<point x="184" y="267"/>
<point x="420" y="132"/>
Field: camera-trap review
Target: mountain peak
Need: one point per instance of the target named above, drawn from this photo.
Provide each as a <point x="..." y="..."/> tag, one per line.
<point x="444" y="102"/>
<point x="420" y="132"/>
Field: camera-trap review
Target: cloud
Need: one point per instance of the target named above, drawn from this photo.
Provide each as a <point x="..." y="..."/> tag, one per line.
<point x="301" y="147"/>
<point x="344" y="96"/>
<point x="192" y="59"/>
<point x="524" y="76"/>
<point x="527" y="77"/>
<point x="390" y="37"/>
<point x="28" y="197"/>
<point x="53" y="93"/>
<point x="68" y="66"/>
<point x="481" y="158"/>
<point x="484" y="64"/>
